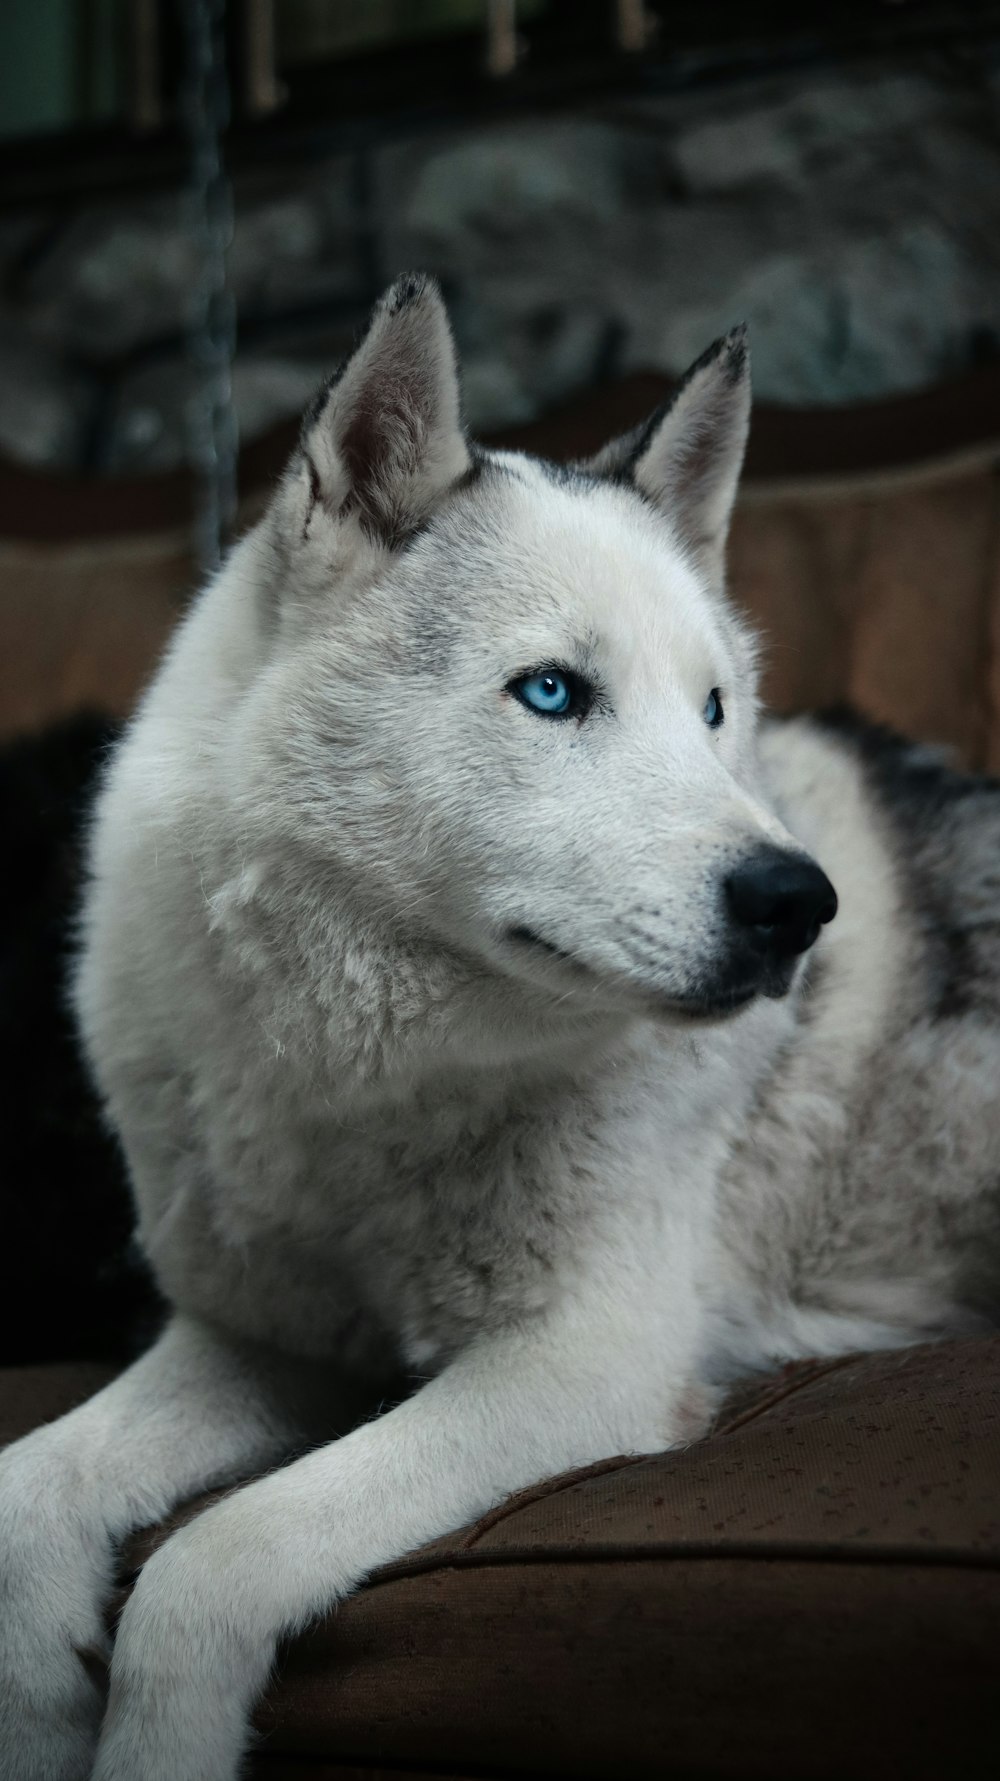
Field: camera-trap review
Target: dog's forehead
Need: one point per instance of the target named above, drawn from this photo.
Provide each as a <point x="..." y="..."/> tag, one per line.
<point x="554" y="553"/>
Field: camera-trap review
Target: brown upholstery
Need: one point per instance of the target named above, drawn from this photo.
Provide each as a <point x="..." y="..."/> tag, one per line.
<point x="813" y="1591"/>
<point x="902" y="616"/>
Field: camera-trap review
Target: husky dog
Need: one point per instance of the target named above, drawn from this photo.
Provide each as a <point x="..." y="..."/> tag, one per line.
<point x="457" y="973"/>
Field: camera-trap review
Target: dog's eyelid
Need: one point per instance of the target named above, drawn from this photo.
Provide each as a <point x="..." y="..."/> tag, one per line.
<point x="553" y="665"/>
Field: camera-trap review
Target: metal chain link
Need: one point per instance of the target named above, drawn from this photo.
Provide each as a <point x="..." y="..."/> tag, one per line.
<point x="211" y="416"/>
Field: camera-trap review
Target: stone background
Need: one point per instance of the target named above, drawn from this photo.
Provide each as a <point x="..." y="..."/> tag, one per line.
<point x="852" y="217"/>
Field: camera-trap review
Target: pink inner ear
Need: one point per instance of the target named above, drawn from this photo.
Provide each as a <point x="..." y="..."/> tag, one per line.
<point x="379" y="446"/>
<point x="365" y="445"/>
<point x="699" y="462"/>
<point x="692" y="464"/>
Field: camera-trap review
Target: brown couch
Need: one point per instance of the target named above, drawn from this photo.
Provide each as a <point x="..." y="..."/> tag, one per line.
<point x="812" y="1592"/>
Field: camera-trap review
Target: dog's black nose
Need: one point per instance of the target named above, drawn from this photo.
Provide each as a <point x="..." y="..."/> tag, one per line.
<point x="781" y="900"/>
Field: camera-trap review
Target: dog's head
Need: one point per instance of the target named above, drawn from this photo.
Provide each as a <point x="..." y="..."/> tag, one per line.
<point x="508" y="702"/>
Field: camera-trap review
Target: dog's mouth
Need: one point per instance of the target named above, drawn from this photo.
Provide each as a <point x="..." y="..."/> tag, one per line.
<point x="714" y="1010"/>
<point x="714" y="1007"/>
<point x="522" y="936"/>
<point x="717" y="1001"/>
<point x="714" y="1001"/>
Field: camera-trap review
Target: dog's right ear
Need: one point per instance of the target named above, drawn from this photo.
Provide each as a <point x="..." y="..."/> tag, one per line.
<point x="686" y="459"/>
<point x="384" y="440"/>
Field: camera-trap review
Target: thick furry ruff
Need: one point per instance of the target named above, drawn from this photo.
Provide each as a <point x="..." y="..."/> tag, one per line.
<point x="72" y="1284"/>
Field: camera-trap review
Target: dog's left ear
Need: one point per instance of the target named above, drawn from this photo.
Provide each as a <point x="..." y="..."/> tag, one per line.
<point x="384" y="439"/>
<point x="687" y="458"/>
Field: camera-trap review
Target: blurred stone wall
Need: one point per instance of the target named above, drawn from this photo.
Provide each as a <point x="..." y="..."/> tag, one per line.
<point x="851" y="217"/>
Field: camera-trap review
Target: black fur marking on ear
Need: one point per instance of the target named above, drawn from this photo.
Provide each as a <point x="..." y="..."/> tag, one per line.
<point x="315" y="493"/>
<point x="406" y="290"/>
<point x="314" y="410"/>
<point x="731" y="349"/>
<point x="736" y="353"/>
<point x="641" y="439"/>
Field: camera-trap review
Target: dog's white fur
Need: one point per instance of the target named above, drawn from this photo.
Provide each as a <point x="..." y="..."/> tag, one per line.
<point x="366" y="1120"/>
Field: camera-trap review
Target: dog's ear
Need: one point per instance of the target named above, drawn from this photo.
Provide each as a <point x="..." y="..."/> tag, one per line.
<point x="687" y="458"/>
<point x="384" y="438"/>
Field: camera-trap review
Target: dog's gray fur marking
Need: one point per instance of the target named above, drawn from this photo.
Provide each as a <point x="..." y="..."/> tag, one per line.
<point x="405" y="1001"/>
<point x="943" y="822"/>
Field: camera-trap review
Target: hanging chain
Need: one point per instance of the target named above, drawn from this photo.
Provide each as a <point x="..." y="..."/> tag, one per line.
<point x="211" y="417"/>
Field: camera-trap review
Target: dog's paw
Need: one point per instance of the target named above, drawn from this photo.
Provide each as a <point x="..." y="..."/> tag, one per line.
<point x="52" y="1640"/>
<point x="188" y="1664"/>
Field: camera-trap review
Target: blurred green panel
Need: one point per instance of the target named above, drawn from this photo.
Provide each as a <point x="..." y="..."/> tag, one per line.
<point x="61" y="64"/>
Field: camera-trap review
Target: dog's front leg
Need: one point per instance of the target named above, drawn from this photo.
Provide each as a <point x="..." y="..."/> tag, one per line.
<point x="195" y="1411"/>
<point x="197" y="1640"/>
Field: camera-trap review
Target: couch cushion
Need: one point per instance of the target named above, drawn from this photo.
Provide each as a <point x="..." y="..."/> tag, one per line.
<point x="811" y="1591"/>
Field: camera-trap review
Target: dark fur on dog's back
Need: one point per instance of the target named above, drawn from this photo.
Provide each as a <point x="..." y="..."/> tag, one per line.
<point x="70" y="1286"/>
<point x="940" y="815"/>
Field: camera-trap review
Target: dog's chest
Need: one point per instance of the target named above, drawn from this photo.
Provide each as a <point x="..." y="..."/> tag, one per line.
<point x="420" y="1231"/>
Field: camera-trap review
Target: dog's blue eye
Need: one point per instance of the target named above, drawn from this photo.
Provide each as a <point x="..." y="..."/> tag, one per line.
<point x="546" y="692"/>
<point x="713" y="713"/>
<point x="550" y="693"/>
<point x="554" y="692"/>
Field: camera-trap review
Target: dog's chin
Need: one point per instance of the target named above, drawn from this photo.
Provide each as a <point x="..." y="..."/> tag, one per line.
<point x="722" y="999"/>
<point x="695" y="1009"/>
<point x="705" y="1011"/>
